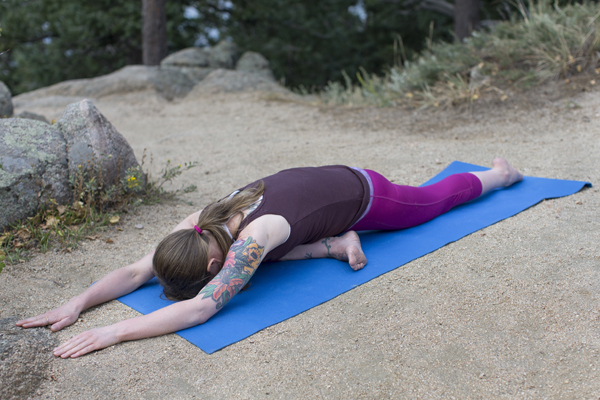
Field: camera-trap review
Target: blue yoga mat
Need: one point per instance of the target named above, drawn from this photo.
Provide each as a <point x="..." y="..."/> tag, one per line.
<point x="280" y="290"/>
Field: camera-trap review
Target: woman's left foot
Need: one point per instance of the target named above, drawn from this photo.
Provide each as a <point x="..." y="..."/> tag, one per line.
<point x="509" y="174"/>
<point x="347" y="248"/>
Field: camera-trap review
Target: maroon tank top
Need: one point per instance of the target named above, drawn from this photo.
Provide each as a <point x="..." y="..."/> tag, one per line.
<point x="316" y="202"/>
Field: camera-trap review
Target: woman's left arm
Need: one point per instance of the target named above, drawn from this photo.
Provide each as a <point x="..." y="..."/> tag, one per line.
<point x="242" y="260"/>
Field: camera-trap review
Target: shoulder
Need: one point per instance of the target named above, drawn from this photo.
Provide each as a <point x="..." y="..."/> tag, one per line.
<point x="269" y="230"/>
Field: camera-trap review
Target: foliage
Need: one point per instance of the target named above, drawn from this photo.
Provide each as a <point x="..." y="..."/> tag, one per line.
<point x="52" y="41"/>
<point x="546" y="42"/>
<point x="309" y="43"/>
<point x="94" y="207"/>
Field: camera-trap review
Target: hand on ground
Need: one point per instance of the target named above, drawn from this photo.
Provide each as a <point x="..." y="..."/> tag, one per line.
<point x="87" y="342"/>
<point x="60" y="317"/>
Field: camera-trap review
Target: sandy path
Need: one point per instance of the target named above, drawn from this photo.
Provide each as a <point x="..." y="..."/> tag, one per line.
<point x="508" y="312"/>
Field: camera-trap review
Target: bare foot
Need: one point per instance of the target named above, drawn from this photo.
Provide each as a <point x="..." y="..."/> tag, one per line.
<point x="509" y="174"/>
<point x="347" y="248"/>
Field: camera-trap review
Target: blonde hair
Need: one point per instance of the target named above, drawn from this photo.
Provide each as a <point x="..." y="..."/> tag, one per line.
<point x="181" y="259"/>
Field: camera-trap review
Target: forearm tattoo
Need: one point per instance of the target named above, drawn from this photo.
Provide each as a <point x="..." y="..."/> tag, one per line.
<point x="242" y="260"/>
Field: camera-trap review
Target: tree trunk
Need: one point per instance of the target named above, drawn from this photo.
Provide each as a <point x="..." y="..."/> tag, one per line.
<point x="154" y="31"/>
<point x="466" y="17"/>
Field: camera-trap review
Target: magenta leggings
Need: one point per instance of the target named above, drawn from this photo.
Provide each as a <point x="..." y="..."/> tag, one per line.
<point x="397" y="207"/>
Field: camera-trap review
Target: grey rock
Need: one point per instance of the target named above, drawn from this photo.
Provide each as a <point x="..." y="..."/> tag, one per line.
<point x="25" y="356"/>
<point x="256" y="63"/>
<point x="174" y="83"/>
<point x="228" y="81"/>
<point x="33" y="168"/>
<point x="6" y="105"/>
<point x="169" y="83"/>
<point x="174" y="78"/>
<point x="190" y="57"/>
<point x="223" y="55"/>
<point x="92" y="141"/>
<point x="34" y="116"/>
<point x="196" y="63"/>
<point x="31" y="100"/>
<point x="194" y="74"/>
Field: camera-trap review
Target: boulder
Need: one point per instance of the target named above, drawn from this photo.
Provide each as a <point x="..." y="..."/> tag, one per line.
<point x="92" y="141"/>
<point x="30" y="115"/>
<point x="32" y="100"/>
<point x="256" y="63"/>
<point x="6" y="105"/>
<point x="190" y="57"/>
<point x="196" y="63"/>
<point x="33" y="168"/>
<point x="25" y="356"/>
<point x="174" y="78"/>
<point x="223" y="55"/>
<point x="169" y="83"/>
<point x="229" y="81"/>
<point x="37" y="159"/>
<point x="193" y="75"/>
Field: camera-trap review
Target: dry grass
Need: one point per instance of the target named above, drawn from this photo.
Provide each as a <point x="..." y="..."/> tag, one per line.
<point x="547" y="42"/>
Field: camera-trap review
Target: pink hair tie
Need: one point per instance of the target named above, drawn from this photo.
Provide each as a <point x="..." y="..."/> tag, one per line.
<point x="198" y="229"/>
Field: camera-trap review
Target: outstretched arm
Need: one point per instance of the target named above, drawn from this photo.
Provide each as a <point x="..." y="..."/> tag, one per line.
<point x="111" y="286"/>
<point x="240" y="264"/>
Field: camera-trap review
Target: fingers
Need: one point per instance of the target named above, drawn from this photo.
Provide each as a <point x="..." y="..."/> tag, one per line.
<point x="40" y="320"/>
<point x="57" y="326"/>
<point x="77" y="346"/>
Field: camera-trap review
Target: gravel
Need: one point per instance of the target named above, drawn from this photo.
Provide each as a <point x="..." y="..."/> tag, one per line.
<point x="510" y="311"/>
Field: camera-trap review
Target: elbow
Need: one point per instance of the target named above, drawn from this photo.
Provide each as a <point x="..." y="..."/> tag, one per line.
<point x="201" y="318"/>
<point x="198" y="316"/>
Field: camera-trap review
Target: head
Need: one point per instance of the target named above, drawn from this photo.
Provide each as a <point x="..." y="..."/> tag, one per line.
<point x="185" y="261"/>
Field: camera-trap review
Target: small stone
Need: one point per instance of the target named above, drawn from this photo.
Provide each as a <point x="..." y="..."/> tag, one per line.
<point x="139" y="226"/>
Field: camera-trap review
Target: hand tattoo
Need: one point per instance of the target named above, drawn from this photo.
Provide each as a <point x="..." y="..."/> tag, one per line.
<point x="242" y="260"/>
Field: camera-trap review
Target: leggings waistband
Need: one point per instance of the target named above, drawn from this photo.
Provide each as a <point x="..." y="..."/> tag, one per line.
<point x="368" y="178"/>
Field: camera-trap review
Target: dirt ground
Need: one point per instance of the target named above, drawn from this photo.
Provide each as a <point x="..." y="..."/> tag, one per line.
<point x="511" y="311"/>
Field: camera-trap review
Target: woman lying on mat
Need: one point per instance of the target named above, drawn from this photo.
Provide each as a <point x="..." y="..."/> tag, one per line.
<point x="295" y="214"/>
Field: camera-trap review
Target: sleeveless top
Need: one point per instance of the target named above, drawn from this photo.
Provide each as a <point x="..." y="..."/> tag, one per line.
<point x="317" y="202"/>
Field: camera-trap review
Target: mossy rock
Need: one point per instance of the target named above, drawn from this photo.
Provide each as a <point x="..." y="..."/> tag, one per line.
<point x="33" y="168"/>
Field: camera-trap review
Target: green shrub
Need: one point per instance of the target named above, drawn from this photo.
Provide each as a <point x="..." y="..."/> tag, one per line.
<point x="94" y="207"/>
<point x="549" y="42"/>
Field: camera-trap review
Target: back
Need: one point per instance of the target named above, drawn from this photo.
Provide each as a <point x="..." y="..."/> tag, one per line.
<point x="317" y="202"/>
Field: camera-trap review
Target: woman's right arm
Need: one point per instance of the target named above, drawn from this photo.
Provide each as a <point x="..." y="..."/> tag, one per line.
<point x="115" y="284"/>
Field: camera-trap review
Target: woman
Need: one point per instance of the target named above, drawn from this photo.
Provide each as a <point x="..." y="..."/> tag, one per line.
<point x="295" y="214"/>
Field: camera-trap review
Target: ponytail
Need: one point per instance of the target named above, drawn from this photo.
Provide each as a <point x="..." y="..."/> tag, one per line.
<point x="181" y="259"/>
